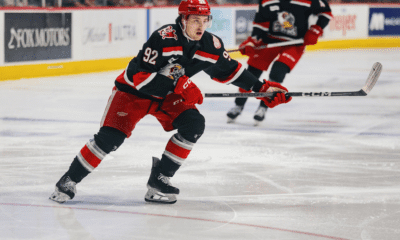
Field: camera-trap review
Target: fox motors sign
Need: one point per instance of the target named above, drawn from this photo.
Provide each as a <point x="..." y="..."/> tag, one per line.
<point x="37" y="36"/>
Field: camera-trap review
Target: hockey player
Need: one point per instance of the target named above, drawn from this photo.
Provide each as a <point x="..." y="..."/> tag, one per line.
<point x="157" y="82"/>
<point x="279" y="21"/>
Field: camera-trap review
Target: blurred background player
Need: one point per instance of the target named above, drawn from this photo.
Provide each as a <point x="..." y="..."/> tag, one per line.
<point x="284" y="22"/>
<point x="157" y="82"/>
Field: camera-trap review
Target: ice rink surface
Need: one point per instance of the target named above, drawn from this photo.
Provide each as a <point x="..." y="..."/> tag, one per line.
<point x="316" y="168"/>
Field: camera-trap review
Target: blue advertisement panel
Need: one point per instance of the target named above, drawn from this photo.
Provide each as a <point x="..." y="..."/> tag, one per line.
<point x="384" y="22"/>
<point x="222" y="25"/>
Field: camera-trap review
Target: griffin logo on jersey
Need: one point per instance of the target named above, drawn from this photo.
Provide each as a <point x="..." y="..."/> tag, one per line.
<point x="173" y="71"/>
<point x="285" y="24"/>
<point x="168" y="32"/>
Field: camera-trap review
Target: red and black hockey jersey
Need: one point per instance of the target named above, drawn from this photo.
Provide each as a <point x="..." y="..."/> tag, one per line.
<point x="168" y="54"/>
<point x="285" y="20"/>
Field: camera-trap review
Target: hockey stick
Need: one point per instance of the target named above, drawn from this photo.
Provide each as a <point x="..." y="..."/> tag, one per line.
<point x="369" y="84"/>
<point x="272" y="45"/>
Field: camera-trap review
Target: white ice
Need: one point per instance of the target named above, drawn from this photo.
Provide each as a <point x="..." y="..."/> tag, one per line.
<point x="316" y="168"/>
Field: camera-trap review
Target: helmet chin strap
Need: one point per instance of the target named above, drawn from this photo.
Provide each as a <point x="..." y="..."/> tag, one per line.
<point x="183" y="27"/>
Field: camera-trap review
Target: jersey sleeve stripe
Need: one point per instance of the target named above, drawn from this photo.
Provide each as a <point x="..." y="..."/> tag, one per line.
<point x="203" y="56"/>
<point x="127" y="79"/>
<point x="301" y="2"/>
<point x="123" y="78"/>
<point x="141" y="79"/>
<point x="268" y="2"/>
<point x="328" y="15"/>
<point x="169" y="51"/>
<point x="238" y="71"/>
<point x="262" y="25"/>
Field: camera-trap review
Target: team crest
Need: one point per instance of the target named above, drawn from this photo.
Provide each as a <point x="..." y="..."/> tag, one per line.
<point x="285" y="24"/>
<point x="173" y="71"/>
<point x="168" y="32"/>
<point x="217" y="43"/>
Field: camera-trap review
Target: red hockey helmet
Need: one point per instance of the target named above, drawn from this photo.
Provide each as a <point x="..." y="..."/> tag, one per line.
<point x="194" y="7"/>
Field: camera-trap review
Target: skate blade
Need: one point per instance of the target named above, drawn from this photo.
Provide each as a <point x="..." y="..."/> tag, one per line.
<point x="231" y="120"/>
<point x="257" y="123"/>
<point x="153" y="195"/>
<point x="59" y="197"/>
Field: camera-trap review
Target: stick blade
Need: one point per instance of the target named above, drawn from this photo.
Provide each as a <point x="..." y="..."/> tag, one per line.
<point x="373" y="77"/>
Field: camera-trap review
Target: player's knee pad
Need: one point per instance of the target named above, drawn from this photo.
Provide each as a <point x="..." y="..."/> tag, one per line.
<point x="278" y="72"/>
<point x="190" y="125"/>
<point x="109" y="139"/>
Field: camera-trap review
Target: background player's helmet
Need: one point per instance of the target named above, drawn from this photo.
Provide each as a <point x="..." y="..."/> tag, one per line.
<point x="194" y="7"/>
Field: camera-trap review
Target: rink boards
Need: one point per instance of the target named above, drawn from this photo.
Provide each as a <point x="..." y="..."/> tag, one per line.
<point x="51" y="42"/>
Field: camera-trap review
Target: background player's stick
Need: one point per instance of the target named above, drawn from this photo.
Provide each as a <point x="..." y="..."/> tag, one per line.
<point x="272" y="45"/>
<point x="369" y="84"/>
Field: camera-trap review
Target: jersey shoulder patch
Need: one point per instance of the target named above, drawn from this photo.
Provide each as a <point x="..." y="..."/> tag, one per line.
<point x="213" y="41"/>
<point x="217" y="42"/>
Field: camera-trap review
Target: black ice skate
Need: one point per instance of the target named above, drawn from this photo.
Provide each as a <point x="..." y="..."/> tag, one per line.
<point x="65" y="190"/>
<point x="234" y="112"/>
<point x="160" y="188"/>
<point x="259" y="115"/>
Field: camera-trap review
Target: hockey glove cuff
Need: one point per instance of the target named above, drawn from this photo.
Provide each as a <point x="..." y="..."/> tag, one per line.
<point x="312" y="35"/>
<point x="279" y="98"/>
<point x="189" y="91"/>
<point x="248" y="46"/>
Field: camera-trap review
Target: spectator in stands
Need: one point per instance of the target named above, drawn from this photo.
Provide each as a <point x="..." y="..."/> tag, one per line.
<point x="16" y="3"/>
<point x="122" y="3"/>
<point x="161" y="2"/>
<point x="73" y="3"/>
<point x="91" y="3"/>
<point x="79" y="3"/>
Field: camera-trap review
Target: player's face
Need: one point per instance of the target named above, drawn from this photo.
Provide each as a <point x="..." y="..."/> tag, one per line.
<point x="196" y="25"/>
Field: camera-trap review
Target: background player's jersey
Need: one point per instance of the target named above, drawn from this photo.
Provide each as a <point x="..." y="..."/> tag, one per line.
<point x="284" y="20"/>
<point x="168" y="55"/>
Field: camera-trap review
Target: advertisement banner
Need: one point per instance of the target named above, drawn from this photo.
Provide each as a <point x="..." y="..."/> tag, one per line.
<point x="348" y="22"/>
<point x="1" y="38"/>
<point x="222" y="25"/>
<point x="37" y="36"/>
<point x="244" y="24"/>
<point x="111" y="34"/>
<point x="384" y="22"/>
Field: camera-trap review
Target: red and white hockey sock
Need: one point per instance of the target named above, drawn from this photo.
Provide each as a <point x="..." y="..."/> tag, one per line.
<point x="91" y="155"/>
<point x="176" y="152"/>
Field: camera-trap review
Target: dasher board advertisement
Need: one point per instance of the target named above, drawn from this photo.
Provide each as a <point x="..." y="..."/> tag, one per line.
<point x="37" y="36"/>
<point x="384" y="22"/>
<point x="110" y="33"/>
<point x="348" y="22"/>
